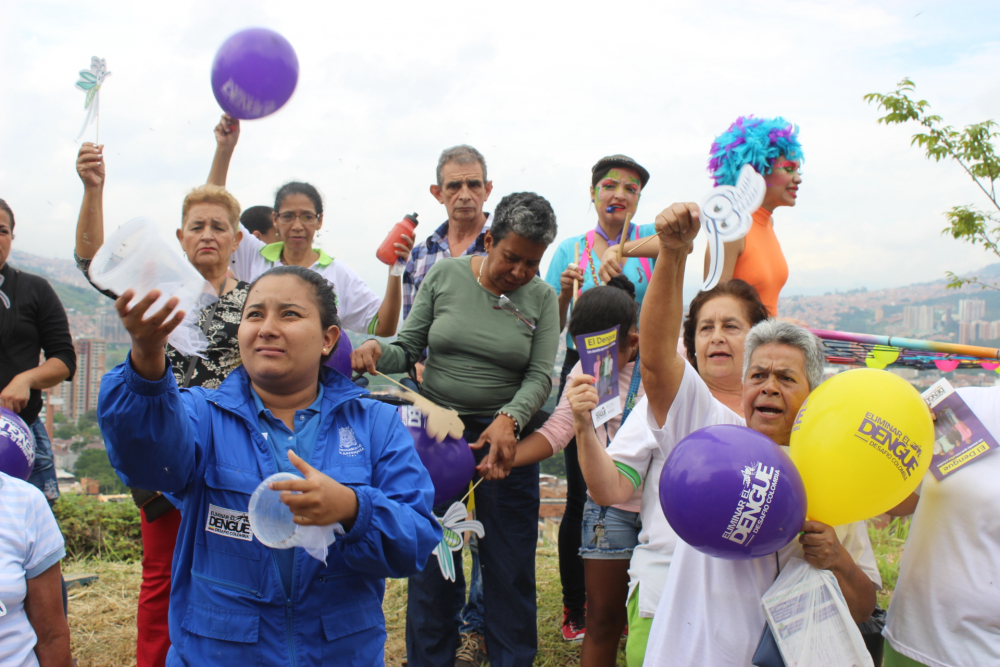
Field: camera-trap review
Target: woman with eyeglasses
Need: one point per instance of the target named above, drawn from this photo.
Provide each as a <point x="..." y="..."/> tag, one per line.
<point x="298" y="215"/>
<point x="492" y="326"/>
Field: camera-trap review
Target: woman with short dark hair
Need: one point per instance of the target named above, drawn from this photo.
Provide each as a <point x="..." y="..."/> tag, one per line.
<point x="492" y="328"/>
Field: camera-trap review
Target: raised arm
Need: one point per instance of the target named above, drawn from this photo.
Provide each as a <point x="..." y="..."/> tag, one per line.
<point x="388" y="312"/>
<point x="149" y="427"/>
<point x="606" y="484"/>
<point x="227" y="134"/>
<point x="732" y="250"/>
<point x="663" y="308"/>
<point x="90" y="224"/>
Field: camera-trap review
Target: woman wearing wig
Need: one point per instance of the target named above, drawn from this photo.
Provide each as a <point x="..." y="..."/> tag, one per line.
<point x="771" y="147"/>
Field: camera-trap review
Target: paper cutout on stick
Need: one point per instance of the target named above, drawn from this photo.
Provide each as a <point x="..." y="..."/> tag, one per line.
<point x="453" y="525"/>
<point x="90" y="82"/>
<point x="441" y="422"/>
<point x="727" y="215"/>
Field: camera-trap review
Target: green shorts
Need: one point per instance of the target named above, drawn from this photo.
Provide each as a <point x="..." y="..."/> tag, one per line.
<point x="638" y="632"/>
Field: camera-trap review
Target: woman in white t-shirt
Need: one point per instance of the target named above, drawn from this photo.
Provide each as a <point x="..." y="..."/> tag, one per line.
<point x="710" y="611"/>
<point x="945" y="610"/>
<point x="33" y="628"/>
<point x="298" y="215"/>
<point x="717" y="324"/>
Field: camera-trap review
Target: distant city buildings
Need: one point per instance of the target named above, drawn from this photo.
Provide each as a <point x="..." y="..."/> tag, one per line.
<point x="971" y="310"/>
<point x="918" y="318"/>
<point x="80" y="395"/>
<point x="110" y="327"/>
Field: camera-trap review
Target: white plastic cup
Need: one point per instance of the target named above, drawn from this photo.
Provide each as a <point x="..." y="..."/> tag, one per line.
<point x="270" y="519"/>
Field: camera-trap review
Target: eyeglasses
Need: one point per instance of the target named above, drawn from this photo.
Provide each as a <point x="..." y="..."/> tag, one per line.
<point x="507" y="305"/>
<point x="306" y="218"/>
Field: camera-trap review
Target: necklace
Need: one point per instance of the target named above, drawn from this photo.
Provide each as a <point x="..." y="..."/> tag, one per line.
<point x="479" y="278"/>
<point x="590" y="251"/>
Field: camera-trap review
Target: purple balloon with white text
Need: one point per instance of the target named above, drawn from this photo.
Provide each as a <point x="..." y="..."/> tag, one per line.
<point x="254" y="73"/>
<point x="450" y="462"/>
<point x="17" y="445"/>
<point x="731" y="492"/>
<point x="340" y="360"/>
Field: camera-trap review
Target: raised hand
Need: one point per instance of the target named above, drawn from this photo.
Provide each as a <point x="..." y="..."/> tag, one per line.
<point x="227" y="132"/>
<point x="677" y="226"/>
<point x="582" y="397"/>
<point x="149" y="335"/>
<point x="403" y="249"/>
<point x="90" y="165"/>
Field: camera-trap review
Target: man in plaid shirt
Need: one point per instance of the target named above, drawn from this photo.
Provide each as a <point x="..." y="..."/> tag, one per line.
<point x="463" y="189"/>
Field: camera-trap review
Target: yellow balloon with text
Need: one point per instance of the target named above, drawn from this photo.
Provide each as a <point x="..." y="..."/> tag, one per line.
<point x="862" y="442"/>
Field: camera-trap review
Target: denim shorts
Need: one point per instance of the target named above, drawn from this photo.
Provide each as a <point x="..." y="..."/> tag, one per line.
<point x="619" y="532"/>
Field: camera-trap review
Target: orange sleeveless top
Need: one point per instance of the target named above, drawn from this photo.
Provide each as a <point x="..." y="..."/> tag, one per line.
<point x="762" y="264"/>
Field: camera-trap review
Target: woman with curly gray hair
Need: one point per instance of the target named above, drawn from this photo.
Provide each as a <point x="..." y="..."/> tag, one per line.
<point x="492" y="326"/>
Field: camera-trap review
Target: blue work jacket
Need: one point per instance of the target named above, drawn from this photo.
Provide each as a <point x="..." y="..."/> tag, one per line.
<point x="227" y="603"/>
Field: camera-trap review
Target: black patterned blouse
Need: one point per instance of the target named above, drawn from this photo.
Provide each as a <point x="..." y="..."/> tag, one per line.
<point x="223" y="353"/>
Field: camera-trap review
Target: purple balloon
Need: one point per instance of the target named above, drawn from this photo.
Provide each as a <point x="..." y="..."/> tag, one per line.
<point x="254" y="73"/>
<point x="17" y="445"/>
<point x="340" y="360"/>
<point x="450" y="462"/>
<point x="732" y="493"/>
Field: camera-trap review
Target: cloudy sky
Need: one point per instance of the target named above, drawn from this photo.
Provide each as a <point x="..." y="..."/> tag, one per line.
<point x="543" y="89"/>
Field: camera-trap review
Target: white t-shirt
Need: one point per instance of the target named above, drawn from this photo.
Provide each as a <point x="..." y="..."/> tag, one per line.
<point x="357" y="304"/>
<point x="710" y="611"/>
<point x="638" y="456"/>
<point x="30" y="543"/>
<point x="945" y="611"/>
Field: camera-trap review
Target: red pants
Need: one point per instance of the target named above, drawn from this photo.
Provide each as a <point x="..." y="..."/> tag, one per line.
<point x="158" y="540"/>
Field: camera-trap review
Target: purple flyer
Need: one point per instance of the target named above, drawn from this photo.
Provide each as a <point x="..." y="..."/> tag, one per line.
<point x="960" y="439"/>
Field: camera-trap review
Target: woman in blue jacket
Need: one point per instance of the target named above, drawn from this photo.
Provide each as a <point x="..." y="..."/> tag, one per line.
<point x="233" y="600"/>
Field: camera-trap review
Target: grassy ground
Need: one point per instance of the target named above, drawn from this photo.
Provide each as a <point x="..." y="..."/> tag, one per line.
<point x="102" y="615"/>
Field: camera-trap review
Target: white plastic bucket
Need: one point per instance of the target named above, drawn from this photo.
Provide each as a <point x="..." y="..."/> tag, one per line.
<point x="136" y="257"/>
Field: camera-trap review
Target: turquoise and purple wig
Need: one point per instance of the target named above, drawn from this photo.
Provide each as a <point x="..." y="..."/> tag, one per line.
<point x="754" y="141"/>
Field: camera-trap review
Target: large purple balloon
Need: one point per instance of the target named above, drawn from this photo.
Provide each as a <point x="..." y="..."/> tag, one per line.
<point x="730" y="492"/>
<point x="450" y="462"/>
<point x="17" y="445"/>
<point x="340" y="360"/>
<point x="254" y="73"/>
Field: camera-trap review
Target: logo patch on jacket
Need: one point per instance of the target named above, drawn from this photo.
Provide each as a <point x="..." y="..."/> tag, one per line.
<point x="349" y="445"/>
<point x="229" y="523"/>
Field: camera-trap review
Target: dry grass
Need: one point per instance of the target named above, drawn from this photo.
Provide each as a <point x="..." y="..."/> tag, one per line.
<point x="102" y="615"/>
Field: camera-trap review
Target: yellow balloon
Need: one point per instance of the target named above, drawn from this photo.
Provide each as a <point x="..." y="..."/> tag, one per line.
<point x="862" y="442"/>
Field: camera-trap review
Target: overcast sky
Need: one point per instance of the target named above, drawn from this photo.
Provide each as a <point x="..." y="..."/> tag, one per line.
<point x="543" y="89"/>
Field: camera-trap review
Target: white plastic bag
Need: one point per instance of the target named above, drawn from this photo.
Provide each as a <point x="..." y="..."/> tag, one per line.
<point x="810" y="620"/>
<point x="136" y="257"/>
<point x="271" y="522"/>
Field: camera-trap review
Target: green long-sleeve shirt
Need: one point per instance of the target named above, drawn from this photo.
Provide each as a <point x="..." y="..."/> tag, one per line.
<point x="482" y="359"/>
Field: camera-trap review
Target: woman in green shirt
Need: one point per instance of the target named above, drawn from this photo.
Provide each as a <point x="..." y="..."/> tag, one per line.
<point x="492" y="326"/>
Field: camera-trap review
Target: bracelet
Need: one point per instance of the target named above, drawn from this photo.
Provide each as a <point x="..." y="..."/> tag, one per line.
<point x="517" y="427"/>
